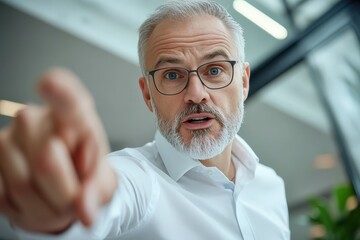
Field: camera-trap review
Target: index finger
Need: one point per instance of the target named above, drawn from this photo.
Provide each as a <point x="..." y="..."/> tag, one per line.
<point x="64" y="92"/>
<point x="75" y="118"/>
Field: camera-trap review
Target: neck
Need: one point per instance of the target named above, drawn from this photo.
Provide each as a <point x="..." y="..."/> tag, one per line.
<point x="223" y="162"/>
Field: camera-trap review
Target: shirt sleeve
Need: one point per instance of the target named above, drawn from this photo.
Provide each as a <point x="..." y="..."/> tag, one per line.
<point x="131" y="203"/>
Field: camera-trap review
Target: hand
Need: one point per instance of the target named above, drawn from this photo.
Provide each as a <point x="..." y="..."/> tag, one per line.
<point x="52" y="166"/>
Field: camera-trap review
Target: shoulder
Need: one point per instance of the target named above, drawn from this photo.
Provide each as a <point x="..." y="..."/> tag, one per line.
<point x="268" y="184"/>
<point x="145" y="159"/>
<point x="267" y="189"/>
<point x="140" y="155"/>
<point x="266" y="193"/>
<point x="266" y="176"/>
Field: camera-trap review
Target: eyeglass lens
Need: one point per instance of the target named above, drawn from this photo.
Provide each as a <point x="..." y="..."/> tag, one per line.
<point x="213" y="75"/>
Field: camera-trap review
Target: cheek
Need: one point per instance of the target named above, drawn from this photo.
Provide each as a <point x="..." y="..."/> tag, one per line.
<point x="167" y="108"/>
<point x="229" y="100"/>
<point x="237" y="93"/>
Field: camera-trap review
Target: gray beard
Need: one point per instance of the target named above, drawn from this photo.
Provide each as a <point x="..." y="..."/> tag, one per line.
<point x="203" y="144"/>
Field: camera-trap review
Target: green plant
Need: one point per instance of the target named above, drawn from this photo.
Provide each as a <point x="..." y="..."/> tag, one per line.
<point x="338" y="219"/>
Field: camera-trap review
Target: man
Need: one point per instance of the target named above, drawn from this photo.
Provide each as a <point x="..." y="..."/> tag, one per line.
<point x="197" y="180"/>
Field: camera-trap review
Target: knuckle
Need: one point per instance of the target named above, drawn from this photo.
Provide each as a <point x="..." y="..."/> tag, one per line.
<point x="22" y="116"/>
<point x="20" y="187"/>
<point x="45" y="165"/>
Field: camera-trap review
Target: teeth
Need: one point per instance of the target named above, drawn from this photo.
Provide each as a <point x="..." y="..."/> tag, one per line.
<point x="198" y="119"/>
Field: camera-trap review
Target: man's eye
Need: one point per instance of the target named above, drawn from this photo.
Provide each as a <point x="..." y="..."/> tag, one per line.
<point x="172" y="75"/>
<point x="214" y="71"/>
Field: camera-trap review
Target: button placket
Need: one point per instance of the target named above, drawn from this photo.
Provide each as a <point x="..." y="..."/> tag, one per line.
<point x="243" y="221"/>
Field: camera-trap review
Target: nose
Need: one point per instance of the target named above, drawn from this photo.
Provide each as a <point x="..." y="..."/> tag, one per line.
<point x="196" y="91"/>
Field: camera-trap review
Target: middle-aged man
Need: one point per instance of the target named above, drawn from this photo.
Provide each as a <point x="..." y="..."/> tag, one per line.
<point x="196" y="180"/>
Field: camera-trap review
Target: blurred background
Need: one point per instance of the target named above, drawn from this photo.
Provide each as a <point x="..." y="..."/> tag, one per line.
<point x="302" y="116"/>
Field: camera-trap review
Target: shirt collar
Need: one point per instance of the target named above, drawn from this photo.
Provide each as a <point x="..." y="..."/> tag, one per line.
<point x="245" y="158"/>
<point x="178" y="163"/>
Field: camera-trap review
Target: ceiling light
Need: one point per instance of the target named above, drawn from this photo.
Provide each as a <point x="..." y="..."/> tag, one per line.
<point x="259" y="18"/>
<point x="9" y="108"/>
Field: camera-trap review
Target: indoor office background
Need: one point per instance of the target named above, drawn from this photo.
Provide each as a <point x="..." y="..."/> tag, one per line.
<point x="302" y="116"/>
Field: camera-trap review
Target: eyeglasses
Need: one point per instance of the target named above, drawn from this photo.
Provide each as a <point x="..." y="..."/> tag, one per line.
<point x="173" y="80"/>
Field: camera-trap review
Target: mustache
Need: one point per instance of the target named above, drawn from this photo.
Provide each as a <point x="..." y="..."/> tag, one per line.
<point x="200" y="108"/>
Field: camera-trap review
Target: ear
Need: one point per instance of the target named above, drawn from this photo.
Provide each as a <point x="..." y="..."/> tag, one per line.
<point x="145" y="92"/>
<point x="246" y="79"/>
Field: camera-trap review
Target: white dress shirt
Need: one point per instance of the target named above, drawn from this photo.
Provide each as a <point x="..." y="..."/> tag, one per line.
<point x="164" y="194"/>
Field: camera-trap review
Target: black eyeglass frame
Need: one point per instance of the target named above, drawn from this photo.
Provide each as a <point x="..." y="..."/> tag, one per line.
<point x="152" y="73"/>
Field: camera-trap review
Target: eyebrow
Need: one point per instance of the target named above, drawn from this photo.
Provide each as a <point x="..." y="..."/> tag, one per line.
<point x="173" y="60"/>
<point x="164" y="60"/>
<point x="215" y="54"/>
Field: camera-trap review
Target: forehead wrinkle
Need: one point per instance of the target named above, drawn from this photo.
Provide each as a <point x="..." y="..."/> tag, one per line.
<point x="168" y="43"/>
<point x="165" y="39"/>
<point x="177" y="50"/>
<point x="171" y="56"/>
<point x="177" y="55"/>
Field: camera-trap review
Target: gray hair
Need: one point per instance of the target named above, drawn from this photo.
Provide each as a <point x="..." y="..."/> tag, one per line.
<point x="183" y="9"/>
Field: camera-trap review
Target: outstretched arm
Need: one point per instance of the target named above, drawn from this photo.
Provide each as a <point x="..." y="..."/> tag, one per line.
<point x="52" y="166"/>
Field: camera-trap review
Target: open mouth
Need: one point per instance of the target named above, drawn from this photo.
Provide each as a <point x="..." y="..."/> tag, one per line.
<point x="198" y="120"/>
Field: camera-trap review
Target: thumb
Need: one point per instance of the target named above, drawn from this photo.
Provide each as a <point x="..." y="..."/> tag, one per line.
<point x="96" y="192"/>
<point x="88" y="203"/>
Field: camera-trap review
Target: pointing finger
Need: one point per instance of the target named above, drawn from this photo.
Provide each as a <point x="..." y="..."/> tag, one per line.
<point x="69" y="101"/>
<point x="75" y="118"/>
